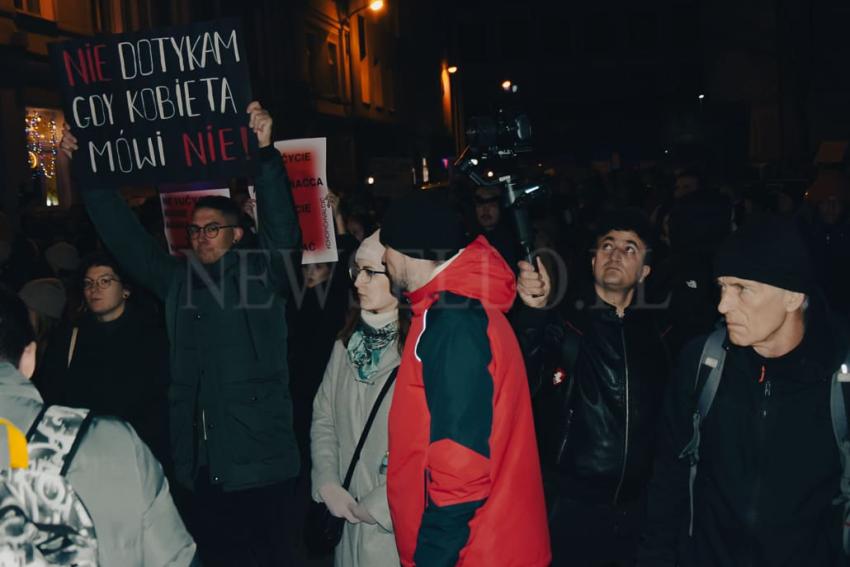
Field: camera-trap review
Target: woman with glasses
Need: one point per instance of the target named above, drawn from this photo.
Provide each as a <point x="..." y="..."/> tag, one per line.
<point x="113" y="358"/>
<point x="363" y="358"/>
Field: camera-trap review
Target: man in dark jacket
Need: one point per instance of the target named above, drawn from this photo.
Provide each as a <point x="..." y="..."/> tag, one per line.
<point x="598" y="370"/>
<point x="769" y="466"/>
<point x="230" y="407"/>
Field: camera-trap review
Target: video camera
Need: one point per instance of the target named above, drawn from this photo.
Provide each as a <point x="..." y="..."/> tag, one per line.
<point x="496" y="144"/>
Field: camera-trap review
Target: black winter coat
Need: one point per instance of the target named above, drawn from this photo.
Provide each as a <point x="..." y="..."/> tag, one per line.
<point x="769" y="465"/>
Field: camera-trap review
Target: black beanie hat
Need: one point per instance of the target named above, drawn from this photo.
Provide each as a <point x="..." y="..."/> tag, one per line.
<point x="420" y="226"/>
<point x="767" y="249"/>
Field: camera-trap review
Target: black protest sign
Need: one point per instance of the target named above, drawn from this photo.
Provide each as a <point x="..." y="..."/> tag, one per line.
<point x="157" y="106"/>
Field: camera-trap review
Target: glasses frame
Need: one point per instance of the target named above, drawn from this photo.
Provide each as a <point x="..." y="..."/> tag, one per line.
<point x="210" y="230"/>
<point x="354" y="272"/>
<point x="92" y="284"/>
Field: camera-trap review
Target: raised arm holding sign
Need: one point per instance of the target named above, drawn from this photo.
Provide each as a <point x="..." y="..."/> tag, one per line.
<point x="231" y="413"/>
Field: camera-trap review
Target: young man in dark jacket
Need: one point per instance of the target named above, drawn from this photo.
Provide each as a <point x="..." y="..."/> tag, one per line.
<point x="598" y="371"/>
<point x="230" y="407"/>
<point x="769" y="465"/>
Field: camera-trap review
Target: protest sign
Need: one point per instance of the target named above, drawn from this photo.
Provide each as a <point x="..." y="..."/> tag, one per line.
<point x="159" y="105"/>
<point x="306" y="166"/>
<point x="177" y="206"/>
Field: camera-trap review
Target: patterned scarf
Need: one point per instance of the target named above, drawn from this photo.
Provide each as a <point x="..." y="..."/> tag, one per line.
<point x="367" y="345"/>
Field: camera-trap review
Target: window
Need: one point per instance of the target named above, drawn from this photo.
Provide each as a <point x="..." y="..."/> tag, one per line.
<point x="43" y="8"/>
<point x="379" y="88"/>
<point x="322" y="64"/>
<point x="361" y="36"/>
<point x="43" y="132"/>
<point x="102" y="15"/>
<point x="333" y="68"/>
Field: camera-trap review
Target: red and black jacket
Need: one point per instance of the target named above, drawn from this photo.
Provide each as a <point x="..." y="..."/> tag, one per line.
<point x="464" y="483"/>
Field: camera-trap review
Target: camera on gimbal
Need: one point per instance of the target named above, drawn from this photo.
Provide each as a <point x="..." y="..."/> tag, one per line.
<point x="492" y="158"/>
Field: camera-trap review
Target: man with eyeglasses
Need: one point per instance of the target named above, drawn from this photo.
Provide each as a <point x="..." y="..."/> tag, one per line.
<point x="230" y="407"/>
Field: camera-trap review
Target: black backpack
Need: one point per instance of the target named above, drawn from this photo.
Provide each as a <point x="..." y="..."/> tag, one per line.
<point x="713" y="358"/>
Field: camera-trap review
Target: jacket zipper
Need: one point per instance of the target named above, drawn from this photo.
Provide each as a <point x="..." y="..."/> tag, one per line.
<point x="752" y="515"/>
<point x="626" y="438"/>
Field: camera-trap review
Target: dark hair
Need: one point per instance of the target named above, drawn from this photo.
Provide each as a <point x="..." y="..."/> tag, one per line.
<point x="105" y="260"/>
<point x="225" y="205"/>
<point x="632" y="219"/>
<point x="15" y="329"/>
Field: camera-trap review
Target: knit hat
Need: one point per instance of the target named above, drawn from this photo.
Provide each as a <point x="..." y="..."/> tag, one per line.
<point x="421" y="227"/>
<point x="45" y="296"/>
<point x="371" y="251"/>
<point x="62" y="257"/>
<point x="767" y="249"/>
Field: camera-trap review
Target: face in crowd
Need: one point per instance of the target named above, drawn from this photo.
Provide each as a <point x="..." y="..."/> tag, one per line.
<point x="397" y="269"/>
<point x="212" y="234"/>
<point x="487" y="211"/>
<point x="618" y="264"/>
<point x="372" y="283"/>
<point x="755" y="311"/>
<point x="104" y="293"/>
<point x="315" y="274"/>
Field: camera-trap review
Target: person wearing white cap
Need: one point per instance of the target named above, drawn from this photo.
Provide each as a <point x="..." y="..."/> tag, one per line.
<point x="361" y="367"/>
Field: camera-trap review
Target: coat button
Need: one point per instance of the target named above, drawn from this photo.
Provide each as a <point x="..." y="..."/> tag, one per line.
<point x="216" y="479"/>
<point x="198" y="316"/>
<point x="253" y="398"/>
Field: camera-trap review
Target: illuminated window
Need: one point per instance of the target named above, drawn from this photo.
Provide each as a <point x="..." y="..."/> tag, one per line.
<point x="44" y="131"/>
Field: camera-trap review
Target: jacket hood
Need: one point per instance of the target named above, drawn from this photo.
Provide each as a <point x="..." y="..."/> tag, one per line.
<point x="478" y="272"/>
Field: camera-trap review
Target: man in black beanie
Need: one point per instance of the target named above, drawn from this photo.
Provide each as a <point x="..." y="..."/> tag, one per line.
<point x="461" y="415"/>
<point x="748" y="463"/>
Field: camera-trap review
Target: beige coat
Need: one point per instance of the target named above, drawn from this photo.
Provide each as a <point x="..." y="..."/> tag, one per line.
<point x="340" y="411"/>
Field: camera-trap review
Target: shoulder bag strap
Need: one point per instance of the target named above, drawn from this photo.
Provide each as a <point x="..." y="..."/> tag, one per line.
<point x="72" y="346"/>
<point x="375" y="407"/>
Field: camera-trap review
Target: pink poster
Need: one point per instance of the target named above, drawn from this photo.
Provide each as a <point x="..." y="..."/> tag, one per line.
<point x="306" y="161"/>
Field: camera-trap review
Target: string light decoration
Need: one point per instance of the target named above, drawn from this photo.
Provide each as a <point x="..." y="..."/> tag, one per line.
<point x="42" y="142"/>
<point x="42" y="150"/>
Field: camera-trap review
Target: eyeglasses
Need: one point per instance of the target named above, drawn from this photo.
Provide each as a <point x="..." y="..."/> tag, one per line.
<point x="99" y="283"/>
<point x="354" y="271"/>
<point x="210" y="230"/>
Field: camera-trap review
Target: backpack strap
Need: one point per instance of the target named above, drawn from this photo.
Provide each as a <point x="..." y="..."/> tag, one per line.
<point x="713" y="357"/>
<point x="55" y="436"/>
<point x="838" y="413"/>
<point x="13" y="447"/>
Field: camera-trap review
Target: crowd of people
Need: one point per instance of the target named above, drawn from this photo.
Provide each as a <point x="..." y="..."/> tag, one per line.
<point x="662" y="385"/>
